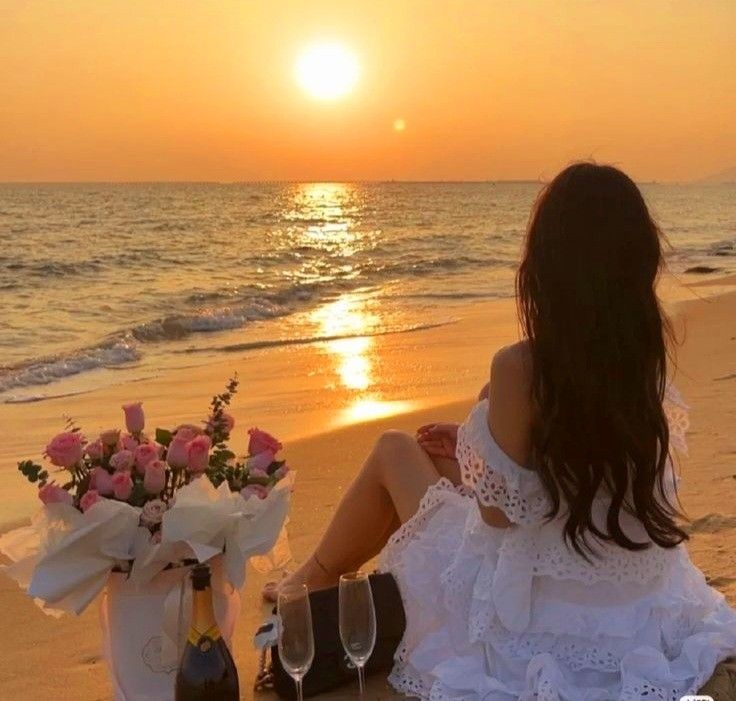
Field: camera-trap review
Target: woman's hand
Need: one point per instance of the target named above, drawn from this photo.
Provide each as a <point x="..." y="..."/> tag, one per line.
<point x="438" y="440"/>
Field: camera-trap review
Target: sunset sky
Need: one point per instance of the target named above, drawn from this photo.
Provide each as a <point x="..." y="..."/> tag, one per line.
<point x="193" y="90"/>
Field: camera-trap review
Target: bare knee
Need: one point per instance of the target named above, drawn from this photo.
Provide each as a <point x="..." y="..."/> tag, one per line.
<point x="393" y="448"/>
<point x="394" y="441"/>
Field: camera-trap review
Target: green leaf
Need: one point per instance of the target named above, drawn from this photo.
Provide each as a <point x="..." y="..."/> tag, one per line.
<point x="138" y="496"/>
<point x="164" y="437"/>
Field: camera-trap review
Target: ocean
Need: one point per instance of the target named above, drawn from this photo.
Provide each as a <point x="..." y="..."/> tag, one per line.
<point x="103" y="282"/>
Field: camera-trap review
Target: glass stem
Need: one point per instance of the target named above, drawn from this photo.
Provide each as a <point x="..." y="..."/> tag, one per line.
<point x="361" y="679"/>
<point x="299" y="692"/>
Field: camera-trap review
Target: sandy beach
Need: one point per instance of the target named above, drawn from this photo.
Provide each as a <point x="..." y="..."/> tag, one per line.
<point x="398" y="381"/>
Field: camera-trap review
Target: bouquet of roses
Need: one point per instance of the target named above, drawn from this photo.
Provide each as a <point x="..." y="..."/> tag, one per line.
<point x="141" y="503"/>
<point x="147" y="471"/>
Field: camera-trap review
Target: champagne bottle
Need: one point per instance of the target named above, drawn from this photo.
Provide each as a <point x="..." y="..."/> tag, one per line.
<point x="207" y="671"/>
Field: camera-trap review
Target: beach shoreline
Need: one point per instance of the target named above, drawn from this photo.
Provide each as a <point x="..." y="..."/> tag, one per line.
<point x="412" y="378"/>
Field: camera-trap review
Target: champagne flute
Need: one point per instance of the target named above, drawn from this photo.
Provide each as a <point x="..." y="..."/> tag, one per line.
<point x="357" y="620"/>
<point x="296" y="638"/>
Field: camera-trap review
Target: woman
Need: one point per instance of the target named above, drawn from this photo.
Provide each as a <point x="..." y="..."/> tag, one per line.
<point x="536" y="546"/>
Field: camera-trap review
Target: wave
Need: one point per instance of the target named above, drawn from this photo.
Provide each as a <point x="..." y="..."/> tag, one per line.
<point x="278" y="343"/>
<point x="44" y="371"/>
<point x="723" y="249"/>
<point x="33" y="398"/>
<point x="125" y="347"/>
<point x="447" y="295"/>
<point x="177" y="326"/>
<point x="55" y="268"/>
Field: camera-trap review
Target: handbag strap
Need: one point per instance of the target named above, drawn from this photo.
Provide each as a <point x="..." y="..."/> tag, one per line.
<point x="264" y="676"/>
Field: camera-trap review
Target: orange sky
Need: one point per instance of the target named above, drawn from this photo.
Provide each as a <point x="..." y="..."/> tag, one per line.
<point x="205" y="90"/>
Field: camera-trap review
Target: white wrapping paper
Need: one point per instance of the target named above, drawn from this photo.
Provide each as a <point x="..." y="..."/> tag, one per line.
<point x="65" y="558"/>
<point x="144" y="629"/>
<point x="211" y="521"/>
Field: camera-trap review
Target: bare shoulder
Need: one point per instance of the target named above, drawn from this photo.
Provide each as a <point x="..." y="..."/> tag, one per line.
<point x="512" y="366"/>
<point x="510" y="409"/>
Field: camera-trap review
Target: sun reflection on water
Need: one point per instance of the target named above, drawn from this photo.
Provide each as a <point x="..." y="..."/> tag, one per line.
<point x="330" y="218"/>
<point x="348" y="316"/>
<point x="354" y="358"/>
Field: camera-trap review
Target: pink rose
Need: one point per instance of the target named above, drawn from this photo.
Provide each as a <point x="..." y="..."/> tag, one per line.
<point x="110" y="438"/>
<point x="187" y="431"/>
<point x="227" y="423"/>
<point x="122" y="460"/>
<point x="127" y="442"/>
<point x="155" y="478"/>
<point x="53" y="494"/>
<point x="101" y="481"/>
<point x="144" y="454"/>
<point x="122" y="485"/>
<point x="66" y="449"/>
<point x="199" y="454"/>
<point x="135" y="420"/>
<point x="261" y="461"/>
<point x="90" y="498"/>
<point x="178" y="453"/>
<point x="153" y="512"/>
<point x="254" y="490"/>
<point x="260" y="441"/>
<point x="95" y="450"/>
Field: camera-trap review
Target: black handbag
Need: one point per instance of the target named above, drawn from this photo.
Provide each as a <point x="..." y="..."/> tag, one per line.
<point x="331" y="667"/>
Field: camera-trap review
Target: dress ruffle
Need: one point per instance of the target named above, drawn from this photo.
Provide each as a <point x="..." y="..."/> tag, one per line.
<point x="457" y="647"/>
<point x="515" y="615"/>
<point x="495" y="478"/>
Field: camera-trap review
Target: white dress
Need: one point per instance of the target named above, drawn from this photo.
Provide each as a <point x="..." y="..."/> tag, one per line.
<point x="507" y="614"/>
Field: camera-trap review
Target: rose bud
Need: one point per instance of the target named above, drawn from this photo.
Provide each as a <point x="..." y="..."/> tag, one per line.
<point x="199" y="454"/>
<point x="155" y="478"/>
<point x="95" y="450"/>
<point x="127" y="442"/>
<point x="144" y="454"/>
<point x="89" y="499"/>
<point x="101" y="480"/>
<point x="122" y="485"/>
<point x="122" y="460"/>
<point x="135" y="420"/>
<point x="66" y="449"/>
<point x="260" y="441"/>
<point x="178" y="453"/>
<point x="54" y="494"/>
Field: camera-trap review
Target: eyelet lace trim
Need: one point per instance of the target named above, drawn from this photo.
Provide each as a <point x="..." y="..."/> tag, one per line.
<point x="678" y="418"/>
<point x="612" y="563"/>
<point x="405" y="681"/>
<point x="494" y="477"/>
<point x="498" y="481"/>
<point x="433" y="497"/>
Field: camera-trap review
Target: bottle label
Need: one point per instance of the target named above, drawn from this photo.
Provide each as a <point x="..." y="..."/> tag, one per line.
<point x="204" y="641"/>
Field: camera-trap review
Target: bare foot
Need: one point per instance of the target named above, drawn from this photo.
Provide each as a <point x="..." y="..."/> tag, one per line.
<point x="310" y="573"/>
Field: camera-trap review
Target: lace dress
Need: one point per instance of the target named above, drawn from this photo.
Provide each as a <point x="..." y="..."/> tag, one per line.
<point x="507" y="614"/>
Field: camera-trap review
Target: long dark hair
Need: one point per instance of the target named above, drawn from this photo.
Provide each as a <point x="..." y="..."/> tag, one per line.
<point x="599" y="346"/>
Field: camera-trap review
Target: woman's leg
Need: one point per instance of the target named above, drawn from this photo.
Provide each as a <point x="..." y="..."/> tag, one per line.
<point x="385" y="493"/>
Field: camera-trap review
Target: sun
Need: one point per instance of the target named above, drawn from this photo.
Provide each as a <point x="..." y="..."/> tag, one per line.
<point x="327" y="70"/>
